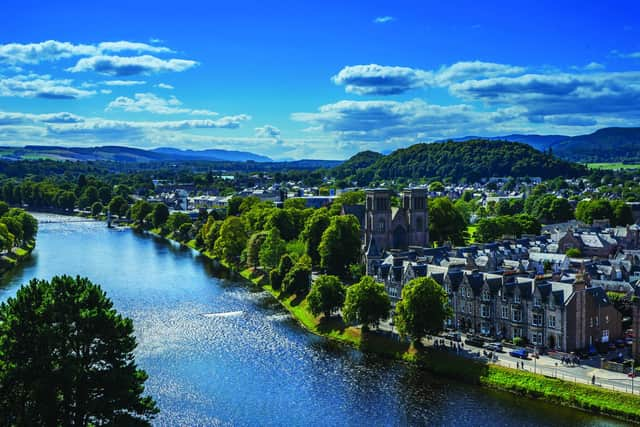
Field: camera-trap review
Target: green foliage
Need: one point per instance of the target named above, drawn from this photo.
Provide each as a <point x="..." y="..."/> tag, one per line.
<point x="232" y="240"/>
<point x="96" y="208"/>
<point x="160" y="214"/>
<point x="66" y="200"/>
<point x="491" y="229"/>
<point x="423" y="308"/>
<point x="176" y="219"/>
<point x="297" y="280"/>
<point x="210" y="232"/>
<point x="140" y="210"/>
<point x="314" y="227"/>
<point x="573" y="253"/>
<point x="67" y="358"/>
<point x="118" y="206"/>
<point x="253" y="247"/>
<point x="436" y="186"/>
<point x="183" y="233"/>
<point x="354" y="166"/>
<point x="349" y="198"/>
<point x="616" y="211"/>
<point x="275" y="279"/>
<point x="340" y="245"/>
<point x="518" y="341"/>
<point x="446" y="223"/>
<point x="326" y="295"/>
<point x="295" y="203"/>
<point x="272" y="249"/>
<point x="296" y="248"/>
<point x="549" y="208"/>
<point x="88" y="197"/>
<point x="366" y="303"/>
<point x="4" y="208"/>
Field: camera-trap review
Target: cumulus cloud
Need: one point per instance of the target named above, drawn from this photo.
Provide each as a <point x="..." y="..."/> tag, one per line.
<point x="12" y="118"/>
<point x="53" y="50"/>
<point x="164" y="86"/>
<point x="40" y="86"/>
<point x="268" y="131"/>
<point x="151" y="103"/>
<point x="374" y="79"/>
<point x="130" y="65"/>
<point x="383" y="19"/>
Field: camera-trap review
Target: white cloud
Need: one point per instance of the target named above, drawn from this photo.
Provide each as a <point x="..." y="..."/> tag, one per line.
<point x="10" y="118"/>
<point x="130" y="65"/>
<point x="124" y="82"/>
<point x="268" y="131"/>
<point x="40" y="86"/>
<point x="164" y="86"/>
<point x="149" y="102"/>
<point x="53" y="50"/>
<point x="383" y="19"/>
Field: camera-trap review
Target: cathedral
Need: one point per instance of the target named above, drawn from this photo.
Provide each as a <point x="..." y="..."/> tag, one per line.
<point x="387" y="227"/>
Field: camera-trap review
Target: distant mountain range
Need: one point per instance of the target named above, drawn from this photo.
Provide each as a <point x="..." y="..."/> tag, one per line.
<point x="604" y="145"/>
<point x="125" y="154"/>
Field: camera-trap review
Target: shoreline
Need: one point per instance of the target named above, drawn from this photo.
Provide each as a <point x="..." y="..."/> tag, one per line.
<point x="586" y="398"/>
<point x="15" y="257"/>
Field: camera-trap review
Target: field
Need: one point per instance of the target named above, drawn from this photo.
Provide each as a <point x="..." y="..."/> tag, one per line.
<point x="613" y="166"/>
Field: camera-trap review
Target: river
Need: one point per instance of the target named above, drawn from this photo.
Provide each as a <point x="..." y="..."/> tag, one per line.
<point x="218" y="353"/>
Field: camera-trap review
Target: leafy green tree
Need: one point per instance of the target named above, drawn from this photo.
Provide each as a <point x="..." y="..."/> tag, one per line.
<point x="66" y="200"/>
<point x="314" y="227"/>
<point x="297" y="280"/>
<point x="210" y="232"/>
<point x="4" y="208"/>
<point x="573" y="253"/>
<point x="96" y="208"/>
<point x="284" y="221"/>
<point x="340" y="245"/>
<point x="276" y="276"/>
<point x="423" y="309"/>
<point x="118" y="206"/>
<point x="232" y="240"/>
<point x="183" y="234"/>
<point x="621" y="213"/>
<point x="348" y="198"/>
<point x="15" y="228"/>
<point x="6" y="238"/>
<point x="67" y="358"/>
<point x="253" y="248"/>
<point x="88" y="197"/>
<point x="176" y="219"/>
<point x="160" y="214"/>
<point x="436" y="186"/>
<point x="233" y="206"/>
<point x="272" y="249"/>
<point x="140" y="210"/>
<point x="326" y="295"/>
<point x="366" y="303"/>
<point x="446" y="223"/>
<point x="295" y="203"/>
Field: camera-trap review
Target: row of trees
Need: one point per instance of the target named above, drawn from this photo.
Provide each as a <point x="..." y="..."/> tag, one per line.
<point x="17" y="227"/>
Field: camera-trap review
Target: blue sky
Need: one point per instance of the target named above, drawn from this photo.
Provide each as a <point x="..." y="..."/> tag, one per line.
<point x="313" y="80"/>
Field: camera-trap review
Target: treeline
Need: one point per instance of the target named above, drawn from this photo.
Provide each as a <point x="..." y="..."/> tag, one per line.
<point x="468" y="161"/>
<point x="17" y="228"/>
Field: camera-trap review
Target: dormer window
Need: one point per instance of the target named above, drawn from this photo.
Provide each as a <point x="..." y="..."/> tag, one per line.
<point x="537" y="302"/>
<point x="516" y="298"/>
<point x="485" y="295"/>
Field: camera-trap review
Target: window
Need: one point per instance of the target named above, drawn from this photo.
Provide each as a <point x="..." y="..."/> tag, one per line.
<point x="537" y="319"/>
<point x="605" y="335"/>
<point x="469" y="308"/>
<point x="505" y="312"/>
<point x="516" y="315"/>
<point x="516" y="297"/>
<point x="552" y="305"/>
<point x="517" y="332"/>
<point x="591" y="322"/>
<point x="552" y="321"/>
<point x="537" y="302"/>
<point x="536" y="339"/>
<point x="380" y="226"/>
<point x="597" y="321"/>
<point x="484" y="310"/>
<point x="486" y="296"/>
<point x="468" y="292"/>
<point x="606" y="319"/>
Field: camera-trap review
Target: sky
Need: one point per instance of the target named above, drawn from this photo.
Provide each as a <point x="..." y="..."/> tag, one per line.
<point x="323" y="80"/>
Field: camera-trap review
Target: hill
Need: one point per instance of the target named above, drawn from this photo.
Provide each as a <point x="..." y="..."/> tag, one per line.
<point x="124" y="154"/>
<point x="468" y="160"/>
<point x="360" y="161"/>
<point x="604" y="145"/>
<point x="539" y="142"/>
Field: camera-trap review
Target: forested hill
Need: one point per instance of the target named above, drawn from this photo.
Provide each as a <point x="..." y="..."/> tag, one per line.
<point x="468" y="160"/>
<point x="604" y="145"/>
<point x="360" y="161"/>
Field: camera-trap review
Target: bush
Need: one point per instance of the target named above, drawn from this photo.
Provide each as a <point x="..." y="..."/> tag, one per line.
<point x="518" y="341"/>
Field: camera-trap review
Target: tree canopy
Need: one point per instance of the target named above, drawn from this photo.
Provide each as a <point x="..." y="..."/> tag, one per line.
<point x="423" y="308"/>
<point x="340" y="245"/>
<point x="326" y="295"/>
<point x="366" y="303"/>
<point x="66" y="358"/>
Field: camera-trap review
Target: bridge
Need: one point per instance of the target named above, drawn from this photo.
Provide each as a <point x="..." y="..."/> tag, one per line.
<point x="64" y="221"/>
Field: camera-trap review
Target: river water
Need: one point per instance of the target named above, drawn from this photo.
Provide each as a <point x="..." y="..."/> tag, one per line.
<point x="218" y="353"/>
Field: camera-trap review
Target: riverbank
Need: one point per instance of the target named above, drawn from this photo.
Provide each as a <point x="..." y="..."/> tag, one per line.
<point x="446" y="364"/>
<point x="13" y="258"/>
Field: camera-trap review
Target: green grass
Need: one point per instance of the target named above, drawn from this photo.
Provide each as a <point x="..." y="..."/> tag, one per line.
<point x="471" y="230"/>
<point x="613" y="166"/>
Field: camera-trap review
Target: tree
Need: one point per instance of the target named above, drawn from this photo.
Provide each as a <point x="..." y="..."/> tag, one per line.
<point x="253" y="248"/>
<point x="314" y="227"/>
<point x="176" y="219"/>
<point x="160" y="215"/>
<point x="66" y="200"/>
<point x="326" y="295"/>
<point x="296" y="281"/>
<point x="423" y="308"/>
<point x="272" y="249"/>
<point x="140" y="210"/>
<point x="622" y="214"/>
<point x="4" y="208"/>
<point x="284" y="221"/>
<point x="589" y="210"/>
<point x="277" y="275"/>
<point x="366" y="303"/>
<point x="96" y="208"/>
<point x="67" y="358"/>
<point x="118" y="206"/>
<point x="436" y="186"/>
<point x="233" y="206"/>
<point x="446" y="223"/>
<point x="573" y="253"/>
<point x="232" y="240"/>
<point x="340" y="245"/>
<point x="88" y="197"/>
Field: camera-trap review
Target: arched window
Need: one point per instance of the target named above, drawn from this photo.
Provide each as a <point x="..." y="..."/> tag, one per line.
<point x="380" y="226"/>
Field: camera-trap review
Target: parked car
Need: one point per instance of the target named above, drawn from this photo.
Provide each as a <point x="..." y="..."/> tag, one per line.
<point x="620" y="343"/>
<point x="453" y="336"/>
<point x="494" y="346"/>
<point x="520" y="353"/>
<point x="474" y="341"/>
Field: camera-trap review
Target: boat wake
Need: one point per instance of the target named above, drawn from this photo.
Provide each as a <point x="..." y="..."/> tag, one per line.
<point x="227" y="314"/>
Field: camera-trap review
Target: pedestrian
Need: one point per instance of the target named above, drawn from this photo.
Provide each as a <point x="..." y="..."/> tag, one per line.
<point x="593" y="380"/>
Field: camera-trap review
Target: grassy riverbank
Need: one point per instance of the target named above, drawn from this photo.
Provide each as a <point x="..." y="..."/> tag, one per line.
<point x="15" y="257"/>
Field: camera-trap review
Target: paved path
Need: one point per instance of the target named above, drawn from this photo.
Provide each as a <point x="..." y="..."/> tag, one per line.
<point x="545" y="365"/>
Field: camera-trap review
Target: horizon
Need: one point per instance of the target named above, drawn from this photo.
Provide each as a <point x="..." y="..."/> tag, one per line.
<point x="322" y="81"/>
